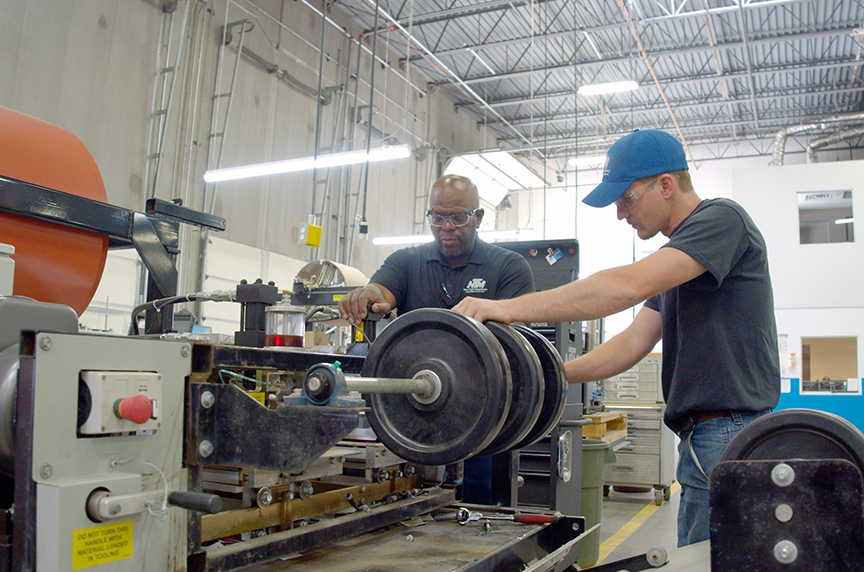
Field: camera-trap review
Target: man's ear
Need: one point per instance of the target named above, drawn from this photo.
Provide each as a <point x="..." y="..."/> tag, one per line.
<point x="667" y="183"/>
<point x="478" y="217"/>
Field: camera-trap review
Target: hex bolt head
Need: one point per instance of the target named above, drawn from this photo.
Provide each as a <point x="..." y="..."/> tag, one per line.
<point x="785" y="552"/>
<point x="205" y="449"/>
<point x="45" y="343"/>
<point x="783" y="475"/>
<point x="208" y="400"/>
<point x="264" y="497"/>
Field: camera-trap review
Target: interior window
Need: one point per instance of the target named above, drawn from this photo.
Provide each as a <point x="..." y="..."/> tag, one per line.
<point x="829" y="365"/>
<point x="825" y="216"/>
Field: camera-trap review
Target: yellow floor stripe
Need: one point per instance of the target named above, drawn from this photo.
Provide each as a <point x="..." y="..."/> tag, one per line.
<point x="634" y="523"/>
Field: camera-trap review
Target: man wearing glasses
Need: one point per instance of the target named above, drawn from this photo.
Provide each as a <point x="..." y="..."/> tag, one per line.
<point x="707" y="294"/>
<point x="439" y="275"/>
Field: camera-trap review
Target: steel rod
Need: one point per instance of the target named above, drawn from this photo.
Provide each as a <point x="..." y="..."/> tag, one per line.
<point x="421" y="385"/>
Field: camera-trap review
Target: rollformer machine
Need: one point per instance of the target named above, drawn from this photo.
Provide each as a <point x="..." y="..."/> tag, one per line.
<point x="162" y="452"/>
<point x="158" y="453"/>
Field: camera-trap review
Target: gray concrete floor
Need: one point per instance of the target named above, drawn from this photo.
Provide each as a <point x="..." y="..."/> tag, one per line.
<point x="622" y="537"/>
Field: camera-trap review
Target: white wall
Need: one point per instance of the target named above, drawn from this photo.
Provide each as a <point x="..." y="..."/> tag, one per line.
<point x="816" y="286"/>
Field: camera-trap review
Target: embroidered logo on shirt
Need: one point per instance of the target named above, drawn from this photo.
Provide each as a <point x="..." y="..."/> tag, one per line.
<point x="476" y="286"/>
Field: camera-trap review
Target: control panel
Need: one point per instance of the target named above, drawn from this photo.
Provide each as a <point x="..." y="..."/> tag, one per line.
<point x="119" y="401"/>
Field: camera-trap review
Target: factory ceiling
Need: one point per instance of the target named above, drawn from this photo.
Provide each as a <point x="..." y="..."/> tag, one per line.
<point x="713" y="72"/>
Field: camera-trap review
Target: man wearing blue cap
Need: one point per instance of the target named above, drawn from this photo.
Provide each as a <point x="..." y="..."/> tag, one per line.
<point x="707" y="294"/>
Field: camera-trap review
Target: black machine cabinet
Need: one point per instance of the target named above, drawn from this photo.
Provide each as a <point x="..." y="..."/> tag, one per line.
<point x="546" y="481"/>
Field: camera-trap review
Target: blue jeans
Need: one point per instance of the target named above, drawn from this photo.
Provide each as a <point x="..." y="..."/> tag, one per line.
<point x="708" y="440"/>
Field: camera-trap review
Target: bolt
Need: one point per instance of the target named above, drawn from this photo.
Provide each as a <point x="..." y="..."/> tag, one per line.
<point x="363" y="490"/>
<point x="115" y="509"/>
<point x="313" y="383"/>
<point x="45" y="471"/>
<point x="265" y="497"/>
<point x="783" y="475"/>
<point x="185" y="351"/>
<point x="208" y="400"/>
<point x="205" y="449"/>
<point x="410" y="538"/>
<point x="783" y="513"/>
<point x="45" y="343"/>
<point x="785" y="552"/>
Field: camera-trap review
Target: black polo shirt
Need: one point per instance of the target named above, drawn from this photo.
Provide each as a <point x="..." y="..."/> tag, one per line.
<point x="419" y="277"/>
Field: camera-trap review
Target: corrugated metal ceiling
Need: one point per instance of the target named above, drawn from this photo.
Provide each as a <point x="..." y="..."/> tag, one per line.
<point x="710" y="71"/>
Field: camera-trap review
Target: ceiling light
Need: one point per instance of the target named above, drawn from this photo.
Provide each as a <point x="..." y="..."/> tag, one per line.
<point x="411" y="239"/>
<point x="307" y="163"/>
<point x="587" y="160"/>
<point x="481" y="60"/>
<point x="603" y="88"/>
<point x="849" y="220"/>
<point x="490" y="235"/>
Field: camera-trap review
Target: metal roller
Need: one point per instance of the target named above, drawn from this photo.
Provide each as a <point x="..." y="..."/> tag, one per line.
<point x="555" y="394"/>
<point x="529" y="387"/>
<point x="53" y="263"/>
<point x="475" y="387"/>
<point x="798" y="434"/>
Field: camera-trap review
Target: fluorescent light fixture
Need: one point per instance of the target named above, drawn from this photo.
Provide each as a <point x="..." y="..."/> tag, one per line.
<point x="849" y="220"/>
<point x="411" y="239"/>
<point x="603" y="88"/>
<point x="490" y="235"/>
<point x="307" y="163"/>
<point x="481" y="60"/>
<point x="587" y="160"/>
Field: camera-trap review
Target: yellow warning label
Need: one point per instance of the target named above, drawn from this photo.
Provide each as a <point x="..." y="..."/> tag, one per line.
<point x="101" y="544"/>
<point x="259" y="396"/>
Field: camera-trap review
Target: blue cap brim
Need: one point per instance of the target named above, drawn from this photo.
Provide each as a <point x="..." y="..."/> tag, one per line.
<point x="606" y="193"/>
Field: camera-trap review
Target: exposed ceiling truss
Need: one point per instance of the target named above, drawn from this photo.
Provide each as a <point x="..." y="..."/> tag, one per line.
<point x="714" y="72"/>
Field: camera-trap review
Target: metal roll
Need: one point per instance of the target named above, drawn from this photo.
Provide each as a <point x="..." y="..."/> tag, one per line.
<point x="53" y="263"/>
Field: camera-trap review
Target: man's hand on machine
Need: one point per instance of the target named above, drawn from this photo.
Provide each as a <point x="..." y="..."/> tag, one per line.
<point x="482" y="310"/>
<point x="355" y="305"/>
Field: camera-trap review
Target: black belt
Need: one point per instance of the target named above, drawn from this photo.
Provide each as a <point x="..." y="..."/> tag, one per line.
<point x="687" y="422"/>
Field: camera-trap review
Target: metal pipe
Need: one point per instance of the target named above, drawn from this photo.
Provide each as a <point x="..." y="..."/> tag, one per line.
<point x="231" y="522"/>
<point x="783" y="134"/>
<point x="829" y="139"/>
<point x="421" y="385"/>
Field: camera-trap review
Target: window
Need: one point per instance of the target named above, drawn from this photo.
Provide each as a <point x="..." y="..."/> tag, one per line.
<point x="829" y="365"/>
<point x="825" y="216"/>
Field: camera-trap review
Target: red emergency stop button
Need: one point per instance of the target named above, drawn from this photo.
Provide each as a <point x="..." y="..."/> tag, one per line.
<point x="137" y="409"/>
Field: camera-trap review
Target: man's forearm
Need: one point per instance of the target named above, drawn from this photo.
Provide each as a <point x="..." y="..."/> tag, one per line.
<point x="597" y="296"/>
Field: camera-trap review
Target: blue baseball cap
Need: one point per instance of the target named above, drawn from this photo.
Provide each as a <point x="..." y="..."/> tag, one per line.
<point x="640" y="154"/>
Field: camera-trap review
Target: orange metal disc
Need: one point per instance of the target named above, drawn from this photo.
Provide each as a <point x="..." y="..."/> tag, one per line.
<point x="53" y="263"/>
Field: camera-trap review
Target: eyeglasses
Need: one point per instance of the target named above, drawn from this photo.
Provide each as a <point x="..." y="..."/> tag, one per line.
<point x="628" y="199"/>
<point x="456" y="219"/>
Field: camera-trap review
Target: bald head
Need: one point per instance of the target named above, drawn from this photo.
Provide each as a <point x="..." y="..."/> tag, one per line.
<point x="456" y="188"/>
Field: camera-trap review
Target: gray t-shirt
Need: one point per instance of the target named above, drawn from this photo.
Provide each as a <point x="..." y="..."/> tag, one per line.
<point x="719" y="334"/>
<point x="420" y="278"/>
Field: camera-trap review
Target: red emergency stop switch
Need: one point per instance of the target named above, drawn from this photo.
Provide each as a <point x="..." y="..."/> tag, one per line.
<point x="138" y="408"/>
